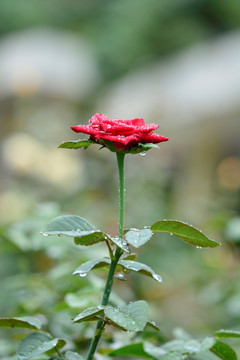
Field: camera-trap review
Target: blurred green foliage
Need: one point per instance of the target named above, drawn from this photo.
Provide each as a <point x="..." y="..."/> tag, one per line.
<point x="125" y="34"/>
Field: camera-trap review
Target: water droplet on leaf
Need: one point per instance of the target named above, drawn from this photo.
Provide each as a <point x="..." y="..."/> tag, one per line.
<point x="143" y="153"/>
<point x="157" y="277"/>
<point x="83" y="274"/>
<point x="120" y="277"/>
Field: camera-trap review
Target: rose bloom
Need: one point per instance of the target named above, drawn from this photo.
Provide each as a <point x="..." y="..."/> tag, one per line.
<point x="123" y="134"/>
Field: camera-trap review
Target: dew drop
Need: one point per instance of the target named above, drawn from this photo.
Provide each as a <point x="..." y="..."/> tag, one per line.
<point x="171" y="233"/>
<point x="198" y="247"/>
<point x="120" y="277"/>
<point x="143" y="153"/>
<point x="44" y="234"/>
<point x="157" y="277"/>
<point x="83" y="274"/>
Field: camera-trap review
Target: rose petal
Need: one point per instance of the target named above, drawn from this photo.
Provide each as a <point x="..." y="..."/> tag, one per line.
<point x="123" y="133"/>
<point x="122" y="129"/>
<point x="98" y="118"/>
<point x="125" y="140"/>
<point x="152" y="138"/>
<point x="86" y="129"/>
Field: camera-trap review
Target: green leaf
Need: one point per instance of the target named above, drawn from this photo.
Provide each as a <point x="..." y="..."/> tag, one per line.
<point x="60" y="344"/>
<point x="139" y="267"/>
<point x="93" y="237"/>
<point x="130" y="265"/>
<point x="76" y="144"/>
<point x="83" y="231"/>
<point x="136" y="350"/>
<point x="84" y="268"/>
<point x="108" y="144"/>
<point x="137" y="238"/>
<point x="70" y="355"/>
<point x="69" y="225"/>
<point x="223" y="351"/>
<point x="149" y="146"/>
<point x="120" y="277"/>
<point x="189" y="347"/>
<point x="179" y="349"/>
<point x="36" y="344"/>
<point x="155" y="351"/>
<point x="206" y="344"/>
<point x="227" y="334"/>
<point x="90" y="314"/>
<point x="26" y="322"/>
<point x="174" y="356"/>
<point x="153" y="325"/>
<point x="185" y="232"/>
<point x="132" y="150"/>
<point x="141" y="148"/>
<point x="121" y="243"/>
<point x="131" y="256"/>
<point x="131" y="317"/>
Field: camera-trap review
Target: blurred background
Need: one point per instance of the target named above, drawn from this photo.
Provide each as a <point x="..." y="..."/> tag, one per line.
<point x="174" y="63"/>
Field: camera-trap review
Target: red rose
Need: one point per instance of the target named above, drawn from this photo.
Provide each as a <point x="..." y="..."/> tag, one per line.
<point x="123" y="134"/>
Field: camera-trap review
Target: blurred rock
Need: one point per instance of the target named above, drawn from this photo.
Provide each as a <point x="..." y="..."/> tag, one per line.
<point x="194" y="97"/>
<point x="200" y="83"/>
<point x="46" y="61"/>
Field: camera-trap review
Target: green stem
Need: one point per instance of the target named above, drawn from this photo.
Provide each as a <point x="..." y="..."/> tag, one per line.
<point x="120" y="159"/>
<point x="59" y="354"/>
<point x="108" y="287"/>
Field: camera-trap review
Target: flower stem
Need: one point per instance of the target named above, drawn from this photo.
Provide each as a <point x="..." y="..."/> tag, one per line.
<point x="120" y="159"/>
<point x="108" y="287"/>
